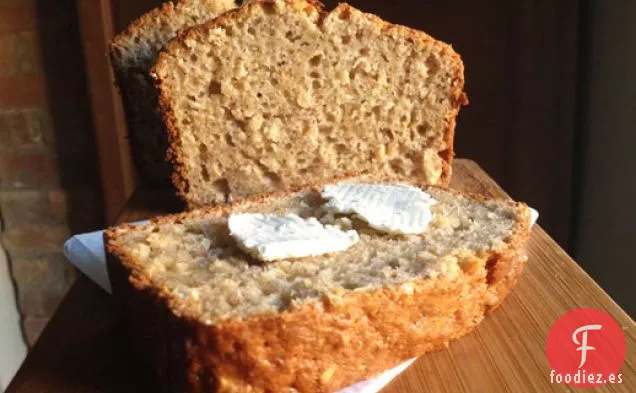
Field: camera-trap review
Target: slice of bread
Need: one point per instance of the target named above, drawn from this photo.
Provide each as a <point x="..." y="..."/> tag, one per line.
<point x="214" y="319"/>
<point x="278" y="93"/>
<point x="132" y="53"/>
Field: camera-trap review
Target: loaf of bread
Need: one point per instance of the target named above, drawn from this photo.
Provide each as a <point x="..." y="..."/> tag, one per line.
<point x="132" y="54"/>
<point x="214" y="319"/>
<point x="279" y="93"/>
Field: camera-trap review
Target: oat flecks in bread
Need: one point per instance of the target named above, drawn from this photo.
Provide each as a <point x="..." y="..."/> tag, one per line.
<point x="132" y="53"/>
<point x="314" y="324"/>
<point x="277" y="93"/>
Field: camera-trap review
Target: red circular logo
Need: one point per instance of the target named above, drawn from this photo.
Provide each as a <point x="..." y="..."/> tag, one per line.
<point x="586" y="348"/>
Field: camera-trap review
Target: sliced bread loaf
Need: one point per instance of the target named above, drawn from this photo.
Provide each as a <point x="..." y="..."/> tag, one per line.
<point x="215" y="319"/>
<point x="278" y="93"/>
<point x="132" y="53"/>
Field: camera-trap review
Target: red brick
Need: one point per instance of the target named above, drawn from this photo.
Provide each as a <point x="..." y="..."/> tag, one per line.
<point x="13" y="19"/>
<point x="6" y="54"/>
<point x="58" y="203"/>
<point x="20" y="54"/>
<point x="22" y="207"/>
<point x="41" y="282"/>
<point x="34" y="208"/>
<point x="24" y="128"/>
<point x="34" y="239"/>
<point x="38" y="130"/>
<point x="33" y="327"/>
<point x="18" y="3"/>
<point x="27" y="208"/>
<point x="23" y="91"/>
<point x="31" y="169"/>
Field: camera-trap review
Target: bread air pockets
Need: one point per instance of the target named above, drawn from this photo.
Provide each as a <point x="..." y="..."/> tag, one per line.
<point x="221" y="318"/>
<point x="277" y="94"/>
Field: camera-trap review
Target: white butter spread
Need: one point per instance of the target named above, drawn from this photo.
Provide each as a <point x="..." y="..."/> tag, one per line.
<point x="392" y="208"/>
<point x="271" y="237"/>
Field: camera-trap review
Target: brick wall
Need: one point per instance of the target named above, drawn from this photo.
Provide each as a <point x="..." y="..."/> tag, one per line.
<point x="49" y="182"/>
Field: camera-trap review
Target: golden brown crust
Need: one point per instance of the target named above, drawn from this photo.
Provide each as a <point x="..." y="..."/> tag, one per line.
<point x="320" y="348"/>
<point x="175" y="154"/>
<point x="151" y="328"/>
<point x="147" y="132"/>
<point x="225" y="209"/>
<point x="140" y="100"/>
<point x="316" y="347"/>
<point x="146" y="23"/>
<point x="137" y="28"/>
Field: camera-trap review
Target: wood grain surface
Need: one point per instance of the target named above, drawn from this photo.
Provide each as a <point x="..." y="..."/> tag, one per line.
<point x="81" y="350"/>
<point x="506" y="353"/>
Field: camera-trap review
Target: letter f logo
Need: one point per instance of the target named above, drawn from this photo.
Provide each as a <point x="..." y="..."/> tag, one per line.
<point x="583" y="344"/>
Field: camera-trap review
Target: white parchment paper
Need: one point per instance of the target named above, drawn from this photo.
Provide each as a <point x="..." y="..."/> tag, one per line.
<point x="86" y="252"/>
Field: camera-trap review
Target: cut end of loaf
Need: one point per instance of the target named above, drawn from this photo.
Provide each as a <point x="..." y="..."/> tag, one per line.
<point x="312" y="324"/>
<point x="192" y="260"/>
<point x="132" y="53"/>
<point x="277" y="93"/>
<point x="138" y="45"/>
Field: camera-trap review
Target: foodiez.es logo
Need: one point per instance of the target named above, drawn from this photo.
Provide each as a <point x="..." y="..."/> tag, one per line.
<point x="586" y="348"/>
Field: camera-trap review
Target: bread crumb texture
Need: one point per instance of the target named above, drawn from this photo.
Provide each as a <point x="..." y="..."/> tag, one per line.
<point x="277" y="93"/>
<point x="138" y="45"/>
<point x="196" y="261"/>
<point x="132" y="53"/>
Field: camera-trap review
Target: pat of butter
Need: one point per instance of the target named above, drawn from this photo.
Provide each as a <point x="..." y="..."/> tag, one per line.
<point x="270" y="237"/>
<point x="392" y="208"/>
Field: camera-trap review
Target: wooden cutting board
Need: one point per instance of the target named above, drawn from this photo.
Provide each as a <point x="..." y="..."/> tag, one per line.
<point x="506" y="353"/>
<point x="81" y="350"/>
